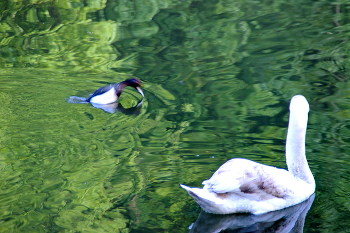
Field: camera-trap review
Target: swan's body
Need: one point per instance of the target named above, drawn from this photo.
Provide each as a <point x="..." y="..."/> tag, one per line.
<point x="244" y="186"/>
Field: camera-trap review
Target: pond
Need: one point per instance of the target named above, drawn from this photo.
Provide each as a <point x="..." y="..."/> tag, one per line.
<point x="217" y="76"/>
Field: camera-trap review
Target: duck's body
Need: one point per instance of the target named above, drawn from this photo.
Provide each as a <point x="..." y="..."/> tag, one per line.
<point x="110" y="93"/>
<point x="244" y="186"/>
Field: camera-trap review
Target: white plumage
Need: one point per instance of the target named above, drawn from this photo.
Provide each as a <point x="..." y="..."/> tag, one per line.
<point x="109" y="96"/>
<point x="244" y="186"/>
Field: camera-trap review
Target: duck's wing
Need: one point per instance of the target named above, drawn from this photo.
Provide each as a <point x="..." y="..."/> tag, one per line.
<point x="250" y="179"/>
<point x="100" y="91"/>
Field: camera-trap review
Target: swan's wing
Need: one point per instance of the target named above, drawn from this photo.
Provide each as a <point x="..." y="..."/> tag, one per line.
<point x="244" y="177"/>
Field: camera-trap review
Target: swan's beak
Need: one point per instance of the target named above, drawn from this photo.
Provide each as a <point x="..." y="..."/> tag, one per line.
<point x="140" y="90"/>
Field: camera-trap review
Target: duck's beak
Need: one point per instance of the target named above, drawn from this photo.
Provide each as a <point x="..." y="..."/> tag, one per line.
<point x="140" y="90"/>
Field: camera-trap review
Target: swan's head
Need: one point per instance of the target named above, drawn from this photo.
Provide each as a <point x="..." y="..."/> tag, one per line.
<point x="299" y="104"/>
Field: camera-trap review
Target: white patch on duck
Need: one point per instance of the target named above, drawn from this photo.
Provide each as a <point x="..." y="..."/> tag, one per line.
<point x="107" y="97"/>
<point x="244" y="186"/>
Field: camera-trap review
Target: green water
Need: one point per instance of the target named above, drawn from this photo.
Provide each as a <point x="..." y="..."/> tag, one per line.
<point x="218" y="77"/>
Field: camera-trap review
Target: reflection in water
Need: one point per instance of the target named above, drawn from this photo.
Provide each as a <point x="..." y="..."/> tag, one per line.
<point x="118" y="107"/>
<point x="110" y="108"/>
<point x="239" y="62"/>
<point x="287" y="220"/>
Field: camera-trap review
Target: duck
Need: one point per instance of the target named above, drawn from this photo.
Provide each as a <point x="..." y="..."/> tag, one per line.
<point x="244" y="186"/>
<point x="110" y="93"/>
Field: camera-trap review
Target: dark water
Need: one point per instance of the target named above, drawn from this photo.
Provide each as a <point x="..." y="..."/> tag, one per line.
<point x="218" y="77"/>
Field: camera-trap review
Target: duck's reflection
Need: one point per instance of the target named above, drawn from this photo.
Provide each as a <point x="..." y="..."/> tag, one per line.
<point x="286" y="220"/>
<point x="118" y="107"/>
<point x="110" y="108"/>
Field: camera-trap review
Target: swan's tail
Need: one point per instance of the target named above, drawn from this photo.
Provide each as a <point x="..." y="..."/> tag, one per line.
<point x="206" y="199"/>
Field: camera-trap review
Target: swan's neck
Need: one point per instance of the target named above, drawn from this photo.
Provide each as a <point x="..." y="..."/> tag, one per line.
<point x="295" y="147"/>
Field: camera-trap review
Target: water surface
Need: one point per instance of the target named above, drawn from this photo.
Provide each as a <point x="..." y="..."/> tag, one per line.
<point x="218" y="77"/>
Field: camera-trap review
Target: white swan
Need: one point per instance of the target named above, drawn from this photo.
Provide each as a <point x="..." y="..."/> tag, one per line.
<point x="244" y="186"/>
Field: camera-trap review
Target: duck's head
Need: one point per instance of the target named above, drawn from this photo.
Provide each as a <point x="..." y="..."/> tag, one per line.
<point x="134" y="82"/>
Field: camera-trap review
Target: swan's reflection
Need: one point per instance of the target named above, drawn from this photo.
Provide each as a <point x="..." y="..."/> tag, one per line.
<point x="110" y="108"/>
<point x="286" y="220"/>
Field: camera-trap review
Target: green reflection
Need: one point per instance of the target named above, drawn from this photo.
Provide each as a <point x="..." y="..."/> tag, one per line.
<point x="218" y="76"/>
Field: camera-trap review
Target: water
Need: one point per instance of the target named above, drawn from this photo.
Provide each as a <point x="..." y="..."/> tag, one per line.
<point x="218" y="77"/>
